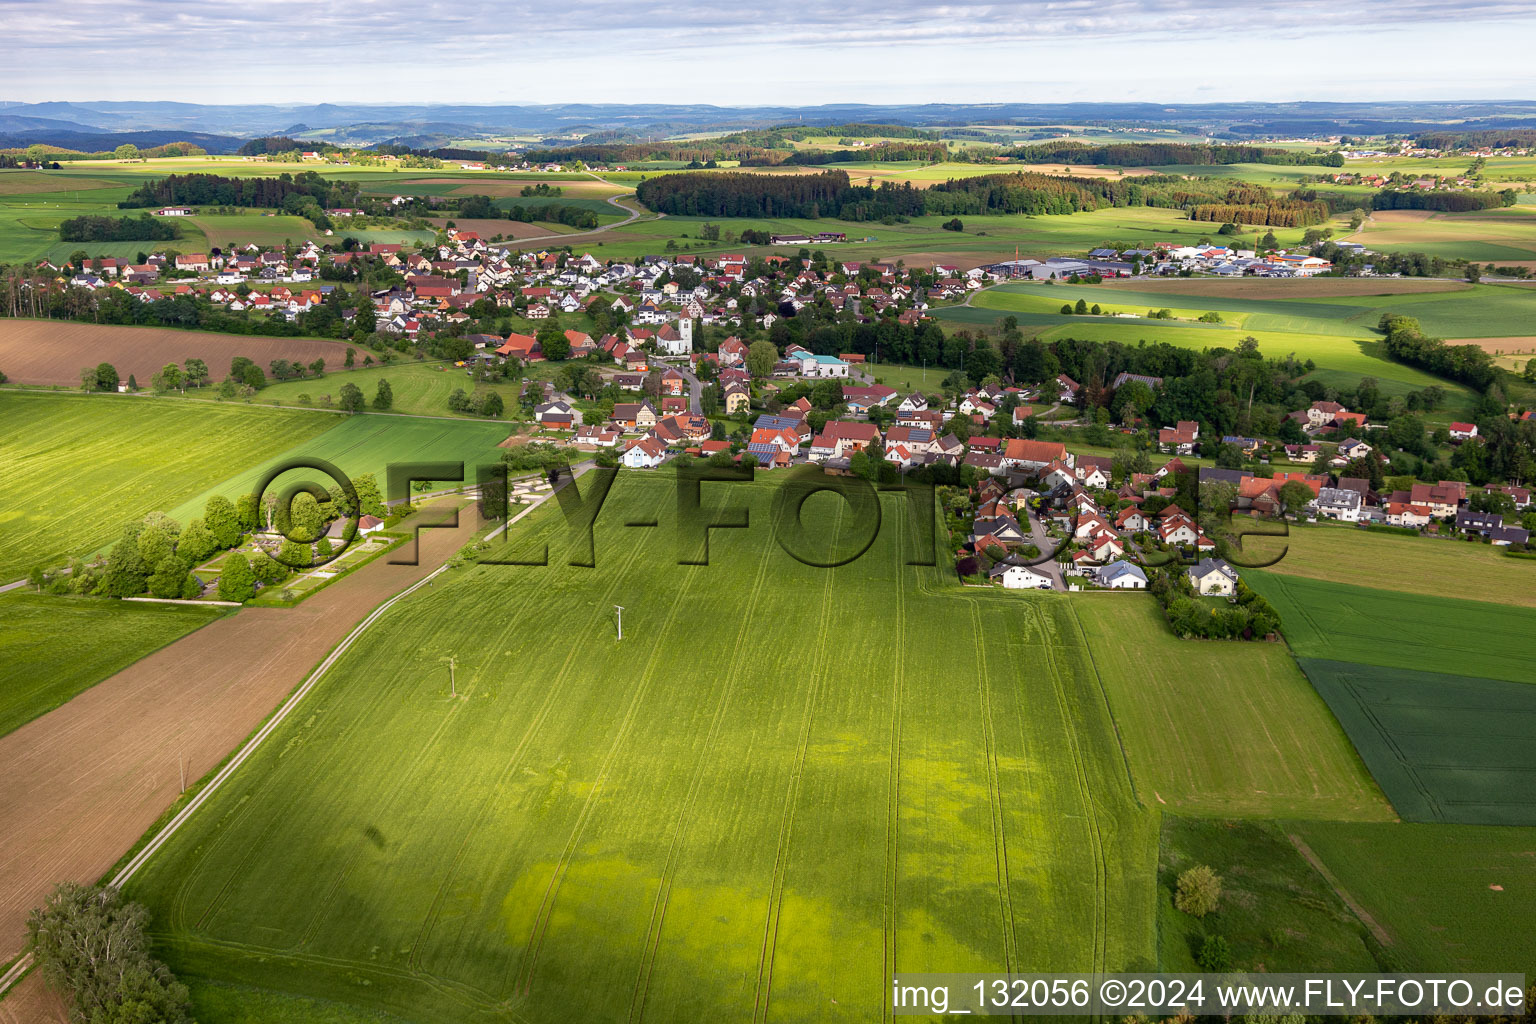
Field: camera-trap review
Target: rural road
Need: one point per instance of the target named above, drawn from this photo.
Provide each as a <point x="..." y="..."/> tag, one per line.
<point x="695" y="389"/>
<point x="86" y="781"/>
<point x="633" y="215"/>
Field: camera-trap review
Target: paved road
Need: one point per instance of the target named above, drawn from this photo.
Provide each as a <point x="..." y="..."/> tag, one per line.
<point x="695" y="388"/>
<point x="634" y="214"/>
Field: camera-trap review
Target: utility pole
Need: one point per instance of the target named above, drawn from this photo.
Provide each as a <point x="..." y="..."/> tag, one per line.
<point x="453" y="683"/>
<point x="619" y="609"/>
<point x="182" y="768"/>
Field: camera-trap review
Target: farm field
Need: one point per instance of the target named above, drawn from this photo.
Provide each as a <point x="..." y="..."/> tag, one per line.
<point x="86" y="780"/>
<point x="1343" y="622"/>
<point x="1502" y="235"/>
<point x="77" y="468"/>
<point x="993" y="237"/>
<point x="365" y="443"/>
<point x="1448" y="896"/>
<point x="1221" y="729"/>
<point x="53" y="351"/>
<point x="747" y="828"/>
<point x="1445" y="748"/>
<point x="1411" y="565"/>
<point x="52" y="648"/>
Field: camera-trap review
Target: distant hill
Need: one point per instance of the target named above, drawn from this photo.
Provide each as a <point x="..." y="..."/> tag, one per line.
<point x="86" y="141"/>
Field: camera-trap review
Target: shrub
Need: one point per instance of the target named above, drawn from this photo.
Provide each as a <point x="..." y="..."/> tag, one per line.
<point x="1215" y="955"/>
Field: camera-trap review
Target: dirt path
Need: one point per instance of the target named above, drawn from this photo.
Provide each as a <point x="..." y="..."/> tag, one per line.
<point x="84" y="782"/>
<point x="1349" y="901"/>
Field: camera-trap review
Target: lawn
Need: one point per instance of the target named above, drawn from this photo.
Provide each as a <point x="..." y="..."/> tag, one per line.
<point x="752" y="806"/>
<point x="77" y="468"/>
<point x="1445" y="748"/>
<point x="1449" y="897"/>
<point x="52" y="648"/>
<point x="361" y="444"/>
<point x="1412" y="565"/>
<point x="1222" y="729"/>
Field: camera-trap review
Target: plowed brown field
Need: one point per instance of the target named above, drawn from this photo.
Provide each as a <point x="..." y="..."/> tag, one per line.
<point x="53" y="351"/>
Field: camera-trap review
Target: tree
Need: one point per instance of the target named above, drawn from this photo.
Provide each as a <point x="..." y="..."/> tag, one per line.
<point x="553" y="342"/>
<point x="761" y="357"/>
<point x="126" y="572"/>
<point x="36" y="579"/>
<point x="1294" y="496"/>
<point x="195" y="373"/>
<point x="369" y="501"/>
<point x="237" y="582"/>
<point x="170" y="577"/>
<point x="383" y="396"/>
<point x="222" y="521"/>
<point x="351" y="398"/>
<point x="127" y="151"/>
<point x="92" y="947"/>
<point x="106" y="377"/>
<point x="196" y="543"/>
<point x="1198" y="892"/>
<point x="492" y="405"/>
<point x="169" y="378"/>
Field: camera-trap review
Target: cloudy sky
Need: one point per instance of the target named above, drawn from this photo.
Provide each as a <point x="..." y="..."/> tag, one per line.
<point x="794" y="51"/>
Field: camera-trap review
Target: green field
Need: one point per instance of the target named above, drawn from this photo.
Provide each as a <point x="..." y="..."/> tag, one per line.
<point x="1445" y="748"/>
<point x="1342" y="622"/>
<point x="1223" y="729"/>
<point x="1448" y="896"/>
<point x="363" y="444"/>
<point x="77" y="468"/>
<point x="52" y="648"/>
<point x="753" y="806"/>
<point x="1411" y="565"/>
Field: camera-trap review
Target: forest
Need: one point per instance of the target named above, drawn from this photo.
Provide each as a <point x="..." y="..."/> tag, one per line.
<point x="832" y="194"/>
<point x="216" y="190"/>
<point x="142" y="228"/>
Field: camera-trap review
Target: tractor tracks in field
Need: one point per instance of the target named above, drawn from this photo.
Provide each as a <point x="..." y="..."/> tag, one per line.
<point x="1090" y="815"/>
<point x="546" y="907"/>
<point x="652" y="941"/>
<point x="995" y="797"/>
<point x="792" y="797"/>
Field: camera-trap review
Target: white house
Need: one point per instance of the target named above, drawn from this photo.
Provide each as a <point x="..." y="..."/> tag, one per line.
<point x="1020" y="577"/>
<point x="645" y="453"/>
<point x="1338" y="503"/>
<point x="1122" y="576"/>
<point x="1212" y="576"/>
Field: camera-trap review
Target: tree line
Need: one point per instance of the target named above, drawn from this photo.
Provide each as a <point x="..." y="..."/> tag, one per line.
<point x="1159" y="154"/>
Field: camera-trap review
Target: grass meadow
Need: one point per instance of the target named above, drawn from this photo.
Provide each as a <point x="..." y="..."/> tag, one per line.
<point x="755" y="806"/>
<point x="52" y="648"/>
<point x="77" y="468"/>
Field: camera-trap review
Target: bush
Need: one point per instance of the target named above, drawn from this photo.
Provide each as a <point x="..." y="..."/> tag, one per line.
<point x="1215" y="955"/>
<point x="1198" y="891"/>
